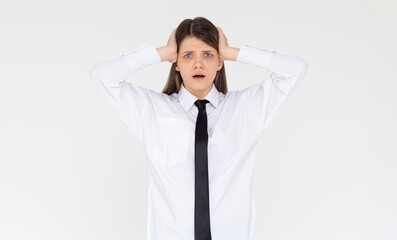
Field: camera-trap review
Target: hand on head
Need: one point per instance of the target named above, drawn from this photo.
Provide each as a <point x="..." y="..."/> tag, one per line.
<point x="171" y="44"/>
<point x="222" y="43"/>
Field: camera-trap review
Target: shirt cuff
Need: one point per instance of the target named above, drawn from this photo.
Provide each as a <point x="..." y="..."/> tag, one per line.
<point x="142" y="56"/>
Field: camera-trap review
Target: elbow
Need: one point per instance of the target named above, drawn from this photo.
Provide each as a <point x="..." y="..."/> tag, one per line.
<point x="305" y="66"/>
<point x="95" y="72"/>
<point x="94" y="69"/>
<point x="302" y="65"/>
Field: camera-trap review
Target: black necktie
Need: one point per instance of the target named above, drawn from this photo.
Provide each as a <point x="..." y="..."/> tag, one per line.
<point x="202" y="229"/>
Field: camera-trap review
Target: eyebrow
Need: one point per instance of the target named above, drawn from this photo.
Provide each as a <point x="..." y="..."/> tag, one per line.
<point x="202" y="51"/>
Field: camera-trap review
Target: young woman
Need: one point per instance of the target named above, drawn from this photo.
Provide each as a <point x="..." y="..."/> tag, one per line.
<point x="200" y="138"/>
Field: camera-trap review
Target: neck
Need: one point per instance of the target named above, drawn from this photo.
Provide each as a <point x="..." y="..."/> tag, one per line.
<point x="200" y="94"/>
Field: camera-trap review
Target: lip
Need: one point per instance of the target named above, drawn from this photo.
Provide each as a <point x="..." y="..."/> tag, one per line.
<point x="198" y="73"/>
<point x="198" y="77"/>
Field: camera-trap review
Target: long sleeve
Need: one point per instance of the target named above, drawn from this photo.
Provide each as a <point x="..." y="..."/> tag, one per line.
<point x="265" y="99"/>
<point x="130" y="101"/>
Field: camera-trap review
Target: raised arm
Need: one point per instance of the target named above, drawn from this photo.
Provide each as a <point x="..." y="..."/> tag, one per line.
<point x="266" y="99"/>
<point x="128" y="100"/>
<point x="263" y="101"/>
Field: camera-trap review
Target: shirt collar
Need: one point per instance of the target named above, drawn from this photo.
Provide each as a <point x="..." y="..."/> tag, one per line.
<point x="187" y="99"/>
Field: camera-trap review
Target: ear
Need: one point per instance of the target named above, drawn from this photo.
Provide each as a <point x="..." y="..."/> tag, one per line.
<point x="177" y="68"/>
<point x="220" y="65"/>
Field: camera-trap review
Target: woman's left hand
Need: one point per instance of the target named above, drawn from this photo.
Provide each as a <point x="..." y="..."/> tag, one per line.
<point x="223" y="45"/>
<point x="226" y="52"/>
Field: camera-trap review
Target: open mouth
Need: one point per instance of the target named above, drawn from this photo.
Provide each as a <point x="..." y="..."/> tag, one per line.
<point x="198" y="76"/>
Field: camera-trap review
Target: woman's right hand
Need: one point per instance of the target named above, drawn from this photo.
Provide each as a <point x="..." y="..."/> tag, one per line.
<point x="168" y="52"/>
<point x="171" y="44"/>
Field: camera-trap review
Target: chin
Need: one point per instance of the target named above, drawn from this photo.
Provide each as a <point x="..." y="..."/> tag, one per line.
<point x="198" y="85"/>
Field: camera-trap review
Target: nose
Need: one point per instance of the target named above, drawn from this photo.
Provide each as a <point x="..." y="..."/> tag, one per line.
<point x="198" y="63"/>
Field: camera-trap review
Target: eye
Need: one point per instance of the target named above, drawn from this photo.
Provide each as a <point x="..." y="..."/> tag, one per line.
<point x="187" y="54"/>
<point x="210" y="54"/>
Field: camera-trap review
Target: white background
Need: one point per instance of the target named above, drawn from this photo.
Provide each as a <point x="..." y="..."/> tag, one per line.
<point x="325" y="168"/>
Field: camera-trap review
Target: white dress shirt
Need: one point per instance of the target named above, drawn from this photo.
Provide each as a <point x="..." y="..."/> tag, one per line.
<point x="165" y="126"/>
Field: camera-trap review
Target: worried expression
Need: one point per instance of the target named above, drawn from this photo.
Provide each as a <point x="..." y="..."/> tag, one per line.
<point x="198" y="64"/>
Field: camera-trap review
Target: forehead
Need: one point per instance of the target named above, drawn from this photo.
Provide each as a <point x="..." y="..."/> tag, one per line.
<point x="194" y="44"/>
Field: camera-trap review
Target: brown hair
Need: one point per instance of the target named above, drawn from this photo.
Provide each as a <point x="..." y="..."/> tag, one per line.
<point x="204" y="30"/>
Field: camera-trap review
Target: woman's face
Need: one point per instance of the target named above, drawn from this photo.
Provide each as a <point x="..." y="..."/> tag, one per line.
<point x="196" y="57"/>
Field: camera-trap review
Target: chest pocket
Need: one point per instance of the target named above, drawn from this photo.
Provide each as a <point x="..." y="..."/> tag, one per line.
<point x="175" y="140"/>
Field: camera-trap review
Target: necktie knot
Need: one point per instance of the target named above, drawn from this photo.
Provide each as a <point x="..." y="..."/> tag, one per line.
<point x="201" y="103"/>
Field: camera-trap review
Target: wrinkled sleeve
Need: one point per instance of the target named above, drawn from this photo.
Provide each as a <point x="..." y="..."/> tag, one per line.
<point x="264" y="100"/>
<point x="131" y="102"/>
